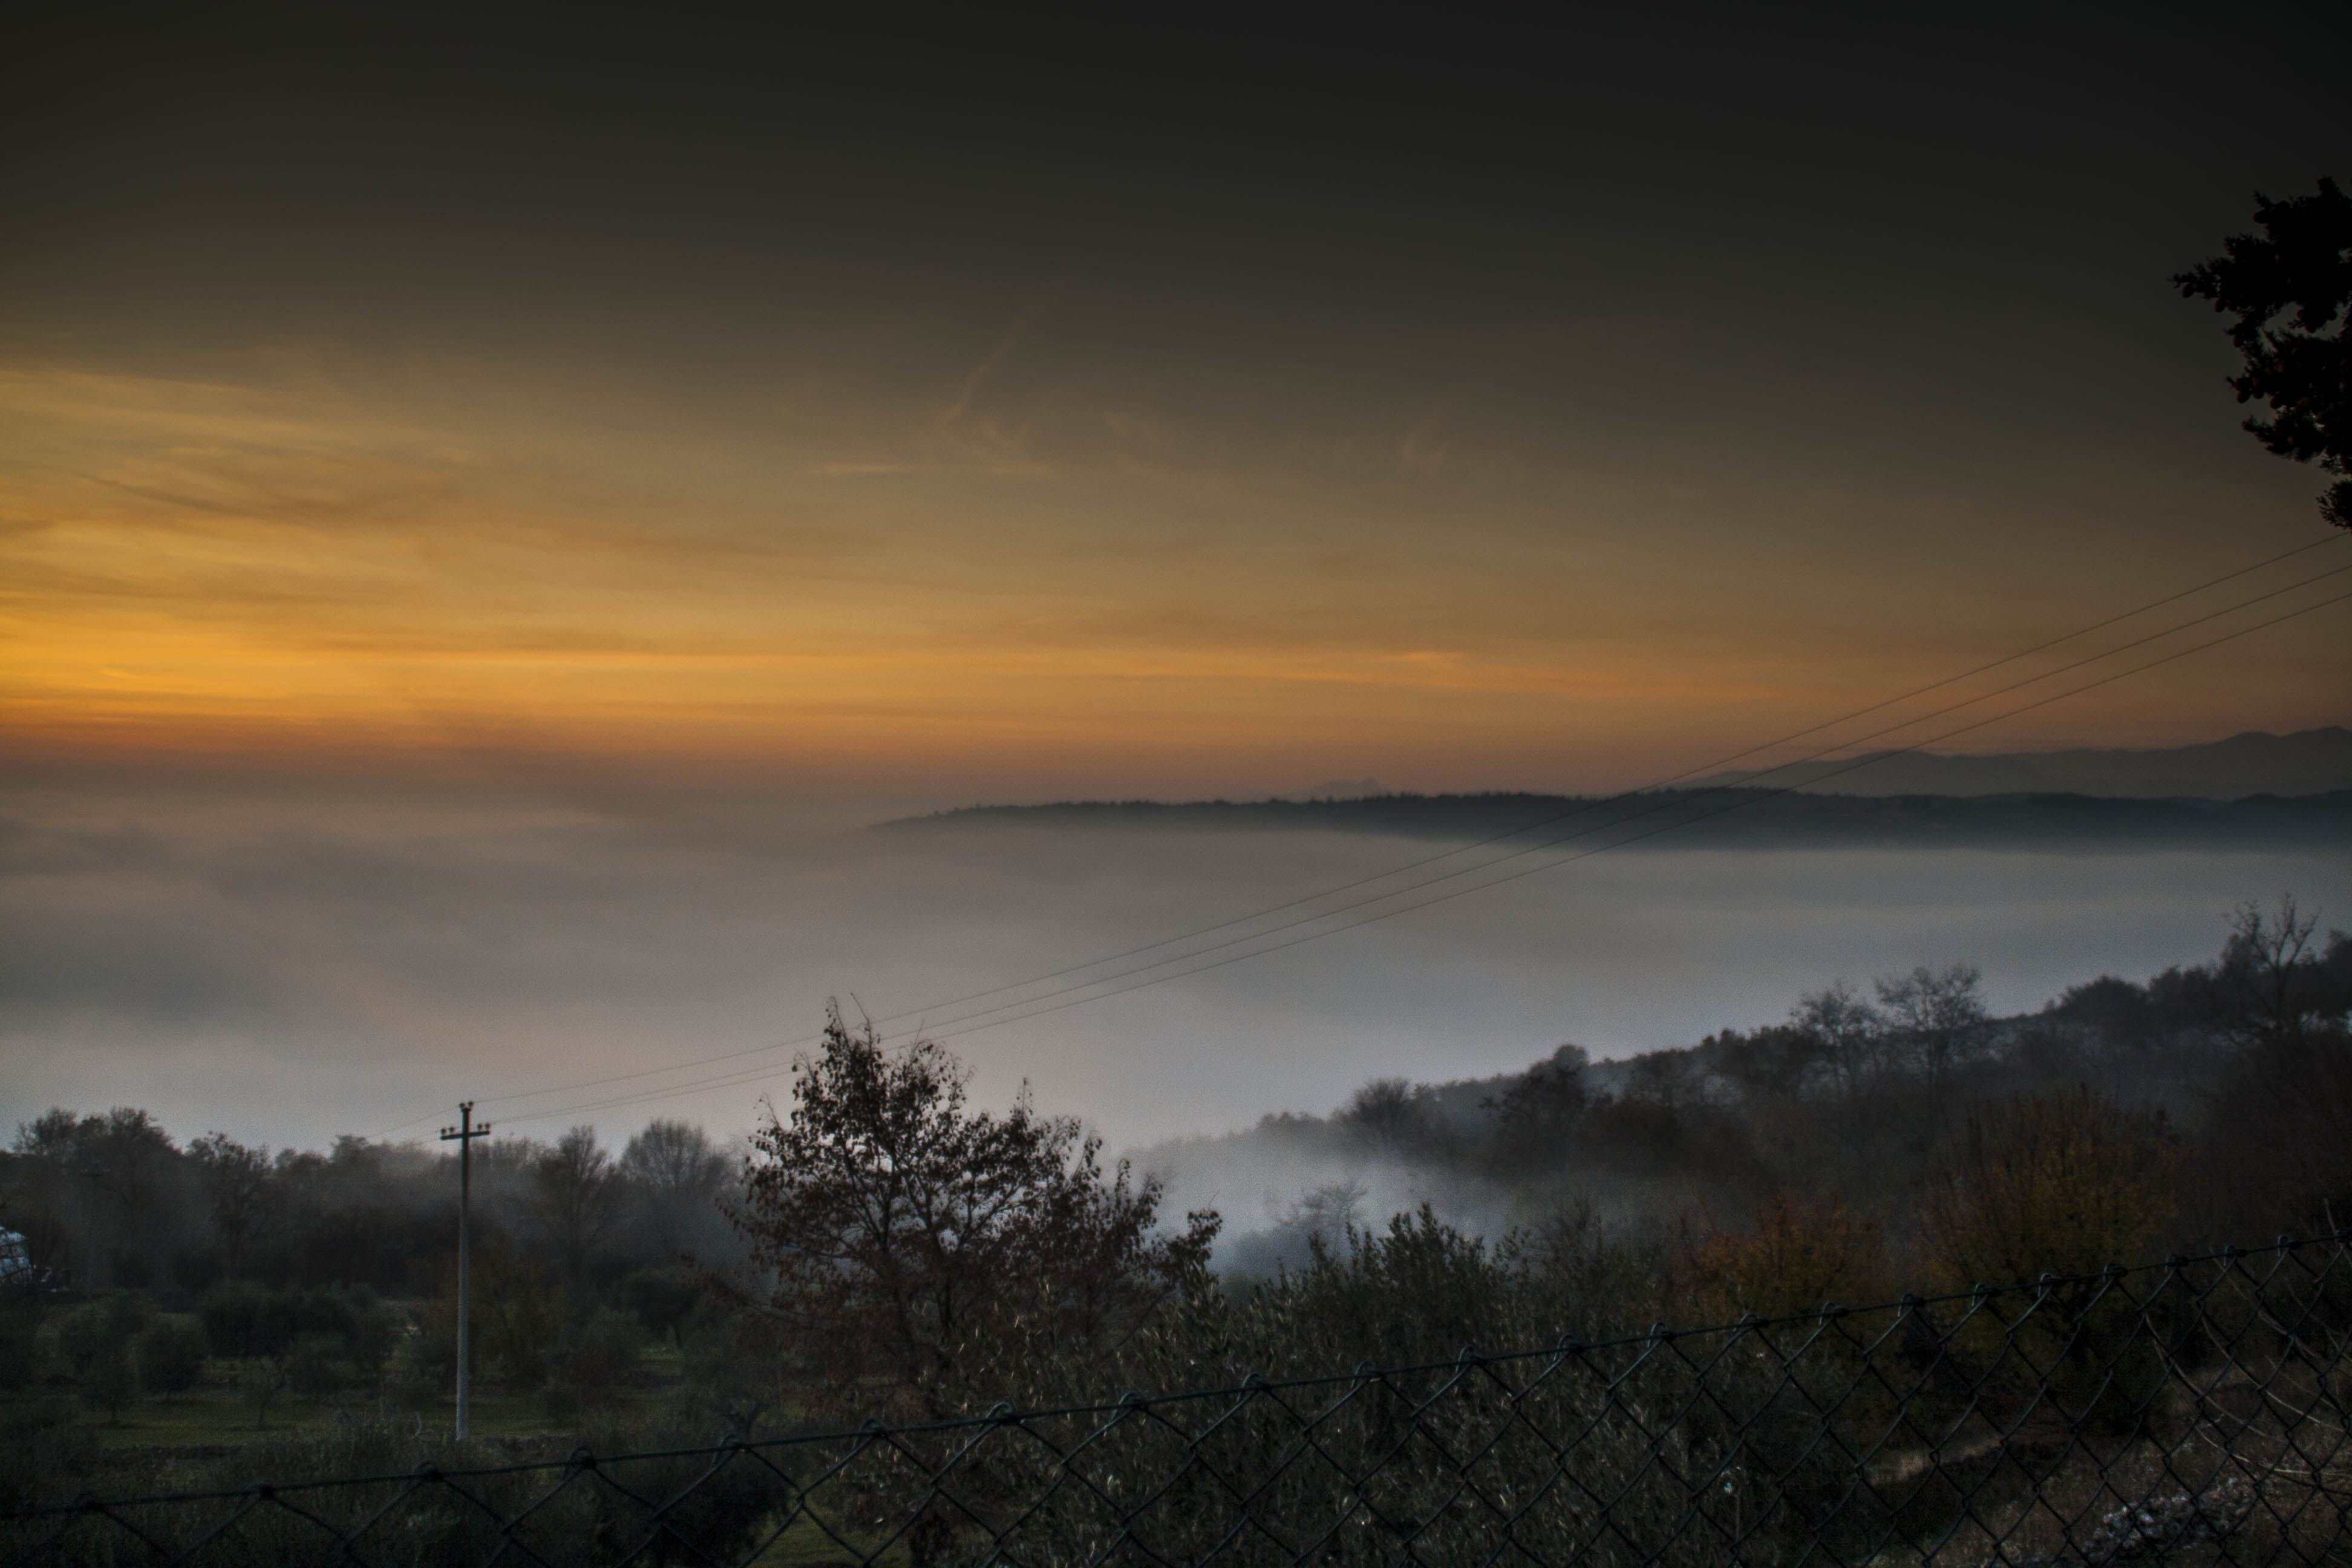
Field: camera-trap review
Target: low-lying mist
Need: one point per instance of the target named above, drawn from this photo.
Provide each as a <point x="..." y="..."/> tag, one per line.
<point x="288" y="965"/>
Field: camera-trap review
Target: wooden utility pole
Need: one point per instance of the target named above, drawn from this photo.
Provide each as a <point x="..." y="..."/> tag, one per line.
<point x="465" y="1133"/>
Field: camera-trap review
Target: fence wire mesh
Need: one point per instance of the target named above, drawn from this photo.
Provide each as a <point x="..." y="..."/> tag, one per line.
<point x="2194" y="1412"/>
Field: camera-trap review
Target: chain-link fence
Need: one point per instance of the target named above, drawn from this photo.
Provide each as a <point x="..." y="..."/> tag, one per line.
<point x="2195" y="1411"/>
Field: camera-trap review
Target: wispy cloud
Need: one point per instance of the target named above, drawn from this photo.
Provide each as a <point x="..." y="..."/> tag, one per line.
<point x="978" y="378"/>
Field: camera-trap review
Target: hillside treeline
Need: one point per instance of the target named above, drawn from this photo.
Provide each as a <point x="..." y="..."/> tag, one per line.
<point x="2237" y="1068"/>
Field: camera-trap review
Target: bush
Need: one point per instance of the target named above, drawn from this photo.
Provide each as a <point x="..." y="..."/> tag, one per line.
<point x="111" y="1380"/>
<point x="423" y="1360"/>
<point x="1794" y="1255"/>
<point x="603" y="1352"/>
<point x="371" y="1330"/>
<point x="2063" y="1185"/>
<point x="314" y="1367"/>
<point x="172" y="1355"/>
<point x="96" y="1341"/>
<point x="518" y="1316"/>
<point x="598" y="1359"/>
<point x="242" y="1319"/>
<point x="662" y="1300"/>
<point x="260" y="1382"/>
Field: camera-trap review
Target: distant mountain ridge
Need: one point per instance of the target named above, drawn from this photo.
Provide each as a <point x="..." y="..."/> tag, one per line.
<point x="2307" y="763"/>
<point x="1726" y="818"/>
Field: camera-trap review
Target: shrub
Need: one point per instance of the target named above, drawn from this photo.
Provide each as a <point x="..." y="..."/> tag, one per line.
<point x="100" y="1330"/>
<point x="518" y="1316"/>
<point x="172" y="1355"/>
<point x="313" y="1367"/>
<point x="423" y="1360"/>
<point x="663" y="1298"/>
<point x="1795" y="1255"/>
<point x="599" y="1357"/>
<point x="369" y="1328"/>
<point x="260" y="1382"/>
<point x="109" y="1380"/>
<point x="2063" y="1185"/>
<point x="242" y="1319"/>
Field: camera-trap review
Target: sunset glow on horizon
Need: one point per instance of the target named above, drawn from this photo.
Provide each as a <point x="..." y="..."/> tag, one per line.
<point x="297" y="572"/>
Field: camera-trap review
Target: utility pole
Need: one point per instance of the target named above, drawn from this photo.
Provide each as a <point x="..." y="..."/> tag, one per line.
<point x="465" y="1133"/>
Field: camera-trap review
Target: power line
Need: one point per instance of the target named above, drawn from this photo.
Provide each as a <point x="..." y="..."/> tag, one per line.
<point x="1669" y="805"/>
<point x="968" y="1026"/>
<point x="1023" y="1012"/>
<point x="1671" y="779"/>
<point x="967" y="1020"/>
<point x="1458" y="851"/>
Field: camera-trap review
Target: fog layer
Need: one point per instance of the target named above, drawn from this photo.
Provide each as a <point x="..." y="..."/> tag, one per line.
<point x="288" y="963"/>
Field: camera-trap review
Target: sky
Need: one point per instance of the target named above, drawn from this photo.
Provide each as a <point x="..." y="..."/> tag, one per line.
<point x="682" y="412"/>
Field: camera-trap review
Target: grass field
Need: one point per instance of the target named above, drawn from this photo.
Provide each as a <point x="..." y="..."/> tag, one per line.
<point x="219" y="1412"/>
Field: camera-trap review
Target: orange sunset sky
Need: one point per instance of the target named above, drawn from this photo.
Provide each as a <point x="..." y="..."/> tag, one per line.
<point x="841" y="425"/>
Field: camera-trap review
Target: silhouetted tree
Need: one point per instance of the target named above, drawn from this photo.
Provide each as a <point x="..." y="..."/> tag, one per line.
<point x="1537" y="1115"/>
<point x="237" y="1190"/>
<point x="171" y="1356"/>
<point x="1386" y="1115"/>
<point x="675" y="1160"/>
<point x="2299" y="267"/>
<point x="575" y="1196"/>
<point x="1936" y="1014"/>
<point x="2277" y="983"/>
<point x="676" y="1175"/>
<point x="900" y="1227"/>
<point x="1848" y="1036"/>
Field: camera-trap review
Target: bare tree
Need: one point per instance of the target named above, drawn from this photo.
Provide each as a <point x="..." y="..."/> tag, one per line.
<point x="675" y="1160"/>
<point x="575" y="1197"/>
<point x="1385" y="1113"/>
<point x="1848" y="1034"/>
<point x="677" y="1174"/>
<point x="2271" y="974"/>
<point x="1938" y="1014"/>
<point x="236" y="1187"/>
<point x="1330" y="1211"/>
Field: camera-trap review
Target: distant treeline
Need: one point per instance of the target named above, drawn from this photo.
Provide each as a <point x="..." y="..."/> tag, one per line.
<point x="1735" y="817"/>
<point x="109" y="1201"/>
<point x="2238" y="1068"/>
<point x="322" y="1265"/>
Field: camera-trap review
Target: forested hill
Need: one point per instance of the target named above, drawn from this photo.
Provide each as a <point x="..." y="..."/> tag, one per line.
<point x="1724" y="819"/>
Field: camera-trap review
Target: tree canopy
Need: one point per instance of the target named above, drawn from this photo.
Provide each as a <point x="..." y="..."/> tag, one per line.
<point x="2288" y="288"/>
